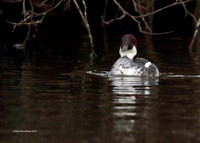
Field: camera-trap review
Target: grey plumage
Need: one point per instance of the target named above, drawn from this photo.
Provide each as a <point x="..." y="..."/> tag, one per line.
<point x="152" y="70"/>
<point x="125" y="66"/>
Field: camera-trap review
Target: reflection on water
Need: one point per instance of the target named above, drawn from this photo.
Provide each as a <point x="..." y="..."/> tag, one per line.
<point x="132" y="85"/>
<point x="49" y="90"/>
<point x="127" y="90"/>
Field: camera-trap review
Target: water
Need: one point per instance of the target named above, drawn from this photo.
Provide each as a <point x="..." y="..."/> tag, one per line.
<point x="47" y="95"/>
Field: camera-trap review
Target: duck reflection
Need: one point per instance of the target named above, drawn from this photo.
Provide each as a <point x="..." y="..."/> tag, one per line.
<point x="130" y="91"/>
<point x="129" y="101"/>
<point x="132" y="85"/>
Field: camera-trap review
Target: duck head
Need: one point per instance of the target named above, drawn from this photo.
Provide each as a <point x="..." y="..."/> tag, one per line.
<point x="128" y="46"/>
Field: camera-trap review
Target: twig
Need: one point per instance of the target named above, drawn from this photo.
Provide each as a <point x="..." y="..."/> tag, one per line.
<point x="139" y="24"/>
<point x="139" y="9"/>
<point x="143" y="15"/>
<point x="197" y="22"/>
<point x="67" y="5"/>
<point x="27" y="35"/>
<point x="163" y="8"/>
<point x="187" y="12"/>
<point x="194" y="35"/>
<point x="30" y="15"/>
<point x="118" y="18"/>
<point x="49" y="10"/>
<point x="84" y="18"/>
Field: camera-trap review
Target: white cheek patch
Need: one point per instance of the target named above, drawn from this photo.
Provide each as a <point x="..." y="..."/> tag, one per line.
<point x="147" y="64"/>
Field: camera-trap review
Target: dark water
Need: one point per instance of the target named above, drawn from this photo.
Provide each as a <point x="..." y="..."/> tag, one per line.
<point x="46" y="94"/>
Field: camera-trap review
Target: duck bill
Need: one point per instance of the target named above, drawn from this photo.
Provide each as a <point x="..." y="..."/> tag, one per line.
<point x="124" y="48"/>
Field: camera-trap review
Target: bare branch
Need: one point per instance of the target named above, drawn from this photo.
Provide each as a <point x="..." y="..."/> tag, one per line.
<point x="194" y="35"/>
<point x="84" y="18"/>
<point x="67" y="5"/>
<point x="197" y="22"/>
<point x="187" y="12"/>
<point x="138" y="22"/>
<point x="139" y="8"/>
<point x="163" y="8"/>
<point x="49" y="10"/>
<point x="118" y="18"/>
<point x="31" y="15"/>
<point x="150" y="13"/>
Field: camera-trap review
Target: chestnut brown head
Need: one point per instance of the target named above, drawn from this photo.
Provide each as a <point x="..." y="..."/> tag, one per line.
<point x="128" y="46"/>
<point x="128" y="41"/>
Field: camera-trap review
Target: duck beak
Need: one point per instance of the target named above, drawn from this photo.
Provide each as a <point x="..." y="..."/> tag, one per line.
<point x="124" y="48"/>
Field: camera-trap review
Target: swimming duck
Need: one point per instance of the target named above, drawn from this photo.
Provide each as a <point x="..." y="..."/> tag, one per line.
<point x="128" y="65"/>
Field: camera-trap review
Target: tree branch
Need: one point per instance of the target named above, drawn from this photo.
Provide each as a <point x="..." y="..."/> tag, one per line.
<point x="84" y="18"/>
<point x="194" y="35"/>
<point x="138" y="22"/>
<point x="125" y="13"/>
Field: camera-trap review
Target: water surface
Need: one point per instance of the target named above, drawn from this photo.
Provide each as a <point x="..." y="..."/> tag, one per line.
<point x="48" y="90"/>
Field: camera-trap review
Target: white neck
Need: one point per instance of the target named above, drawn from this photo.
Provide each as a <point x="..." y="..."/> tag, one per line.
<point x="129" y="53"/>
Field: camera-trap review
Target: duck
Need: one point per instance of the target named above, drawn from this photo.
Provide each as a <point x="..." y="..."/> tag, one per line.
<point x="128" y="65"/>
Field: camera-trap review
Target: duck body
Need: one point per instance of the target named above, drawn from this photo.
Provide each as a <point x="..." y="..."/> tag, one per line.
<point x="137" y="67"/>
<point x="128" y="65"/>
